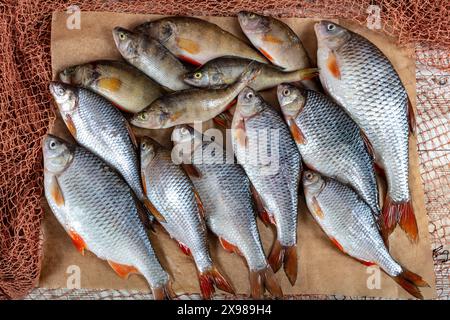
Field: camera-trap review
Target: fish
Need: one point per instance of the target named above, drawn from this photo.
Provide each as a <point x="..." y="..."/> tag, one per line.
<point x="225" y="191"/>
<point x="277" y="42"/>
<point x="100" y="213"/>
<point x="226" y="70"/>
<point x="263" y="145"/>
<point x="152" y="58"/>
<point x="123" y="85"/>
<point x="192" y="105"/>
<point x="172" y="193"/>
<point x="196" y="41"/>
<point x="361" y="79"/>
<point x="100" y="127"/>
<point x="329" y="141"/>
<point x="349" y="223"/>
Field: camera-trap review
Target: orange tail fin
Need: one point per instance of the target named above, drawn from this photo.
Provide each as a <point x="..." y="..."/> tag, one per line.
<point x="401" y="213"/>
<point x="287" y="256"/>
<point x="410" y="282"/>
<point x="164" y="292"/>
<point x="264" y="278"/>
<point x="211" y="278"/>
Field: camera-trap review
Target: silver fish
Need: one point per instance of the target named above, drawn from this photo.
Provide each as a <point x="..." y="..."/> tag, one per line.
<point x="171" y="192"/>
<point x="329" y="141"/>
<point x="151" y="57"/>
<point x="350" y="224"/>
<point x="100" y="213"/>
<point x="264" y="147"/>
<point x="359" y="77"/>
<point x="98" y="126"/>
<point x="225" y="192"/>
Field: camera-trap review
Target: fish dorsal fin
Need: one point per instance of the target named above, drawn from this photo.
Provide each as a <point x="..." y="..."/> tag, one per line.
<point x="122" y="270"/>
<point x="56" y="192"/>
<point x="411" y="118"/>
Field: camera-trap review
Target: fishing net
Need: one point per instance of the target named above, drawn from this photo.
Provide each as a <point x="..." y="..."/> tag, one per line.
<point x="26" y="113"/>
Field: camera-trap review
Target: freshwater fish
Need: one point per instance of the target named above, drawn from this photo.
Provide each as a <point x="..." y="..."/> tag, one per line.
<point x="197" y="41"/>
<point x="349" y="223"/>
<point x="226" y="70"/>
<point x="125" y="86"/>
<point x="100" y="212"/>
<point x="329" y="141"/>
<point x="266" y="150"/>
<point x="151" y="57"/>
<point x="193" y="105"/>
<point x="172" y="193"/>
<point x="225" y="192"/>
<point x="360" y="78"/>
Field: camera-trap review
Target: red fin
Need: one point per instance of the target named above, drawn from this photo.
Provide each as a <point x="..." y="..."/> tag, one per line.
<point x="70" y="125"/>
<point x="366" y="263"/>
<point x="189" y="60"/>
<point x="154" y="211"/>
<point x="131" y="134"/>
<point x="229" y="247"/>
<point x="224" y="119"/>
<point x="184" y="248"/>
<point x="56" y="192"/>
<point x="266" y="54"/>
<point x="164" y="292"/>
<point x="284" y="255"/>
<point x="230" y="105"/>
<point x="191" y="170"/>
<point x="333" y="66"/>
<point x="410" y="282"/>
<point x="379" y="170"/>
<point x="262" y="212"/>
<point x="201" y="208"/>
<point x="264" y="278"/>
<point x="297" y="134"/>
<point x="337" y="244"/>
<point x="211" y="278"/>
<point x="122" y="270"/>
<point x="77" y="241"/>
<point x="267" y="218"/>
<point x="367" y="143"/>
<point x="411" y="118"/>
<point x="317" y="209"/>
<point x="401" y="213"/>
<point x="239" y="133"/>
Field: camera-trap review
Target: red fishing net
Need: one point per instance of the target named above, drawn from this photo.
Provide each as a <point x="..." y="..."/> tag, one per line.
<point x="25" y="107"/>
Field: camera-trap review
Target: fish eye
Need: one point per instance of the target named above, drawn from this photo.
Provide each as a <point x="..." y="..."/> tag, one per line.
<point x="286" y="92"/>
<point x="52" y="145"/>
<point x="197" y="75"/>
<point x="309" y="175"/>
<point x="331" y="27"/>
<point x="144" y="145"/>
<point x="251" y="15"/>
<point x="184" y="131"/>
<point x="142" y="116"/>
<point x="122" y="36"/>
<point x="249" y="95"/>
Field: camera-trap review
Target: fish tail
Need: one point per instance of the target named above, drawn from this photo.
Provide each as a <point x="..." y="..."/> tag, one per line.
<point x="307" y="73"/>
<point x="264" y="278"/>
<point x="224" y="119"/>
<point x="286" y="256"/>
<point x="252" y="70"/>
<point x="164" y="292"/>
<point x="401" y="213"/>
<point x="410" y="282"/>
<point x="211" y="278"/>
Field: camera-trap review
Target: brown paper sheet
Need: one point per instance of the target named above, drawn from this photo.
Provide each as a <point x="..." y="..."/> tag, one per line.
<point x="322" y="268"/>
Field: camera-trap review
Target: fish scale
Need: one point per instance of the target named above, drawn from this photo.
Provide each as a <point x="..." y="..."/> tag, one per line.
<point x="333" y="143"/>
<point x="100" y="207"/>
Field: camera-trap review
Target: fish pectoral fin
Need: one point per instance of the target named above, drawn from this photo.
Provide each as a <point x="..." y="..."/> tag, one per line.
<point x="229" y="247"/>
<point x="411" y="118"/>
<point x="201" y="208"/>
<point x="122" y="270"/>
<point x="239" y="132"/>
<point x="296" y="132"/>
<point x="78" y="242"/>
<point x="184" y="248"/>
<point x="56" y="192"/>
<point x="368" y="144"/>
<point x="70" y="125"/>
<point x="333" y="66"/>
<point x="109" y="84"/>
<point x="131" y="134"/>
<point x="191" y="170"/>
<point x="154" y="211"/>
<point x="188" y="45"/>
<point x="317" y="210"/>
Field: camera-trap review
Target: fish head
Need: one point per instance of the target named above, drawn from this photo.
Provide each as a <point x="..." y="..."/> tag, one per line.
<point x="65" y="95"/>
<point x="198" y="78"/>
<point x="292" y="100"/>
<point x="251" y="22"/>
<point x="330" y="34"/>
<point x="147" y="150"/>
<point x="312" y="182"/>
<point x="57" y="154"/>
<point x="126" y="42"/>
<point x="249" y="103"/>
<point x="152" y="117"/>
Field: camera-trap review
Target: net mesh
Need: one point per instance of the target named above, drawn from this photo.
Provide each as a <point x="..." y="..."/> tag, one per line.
<point x="25" y="109"/>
